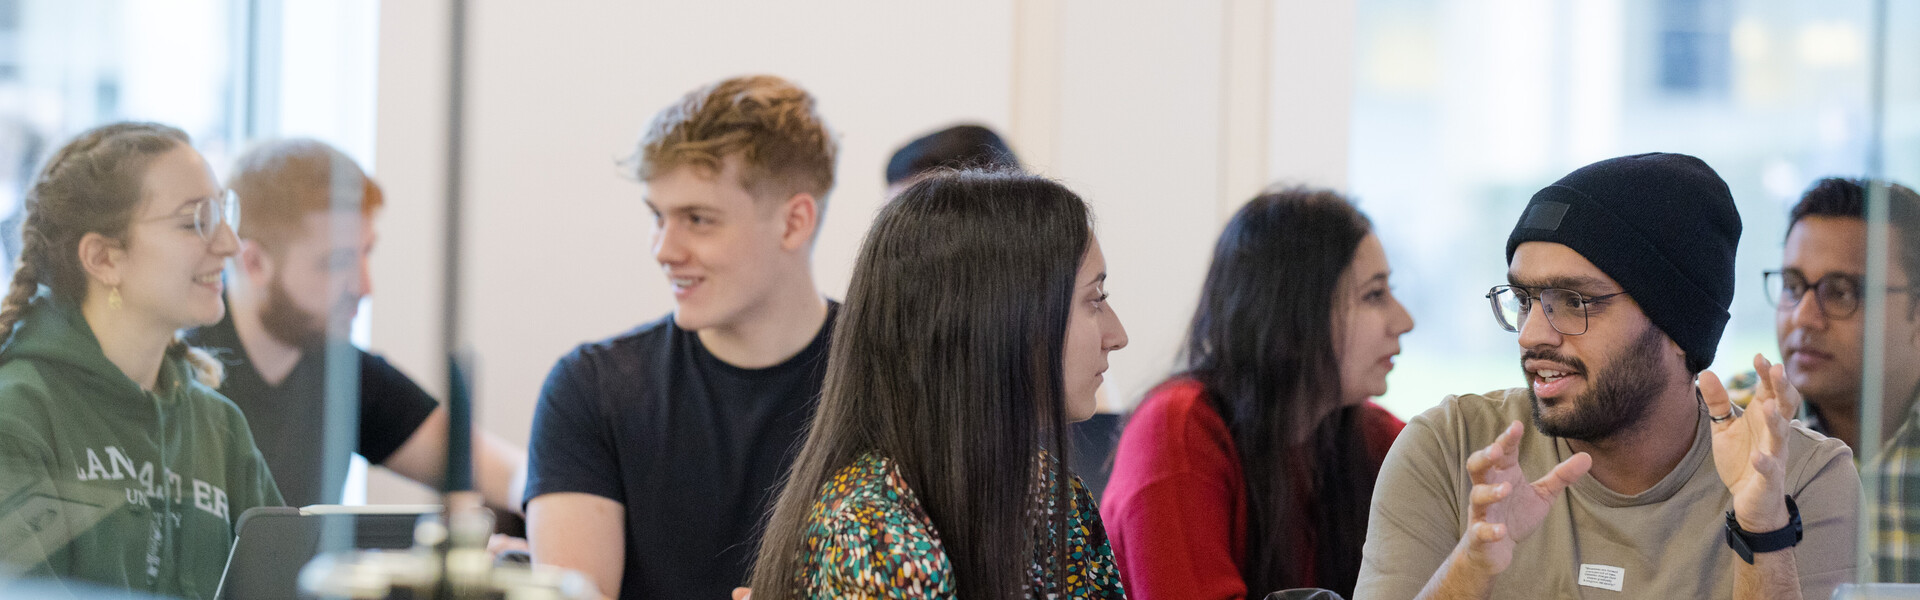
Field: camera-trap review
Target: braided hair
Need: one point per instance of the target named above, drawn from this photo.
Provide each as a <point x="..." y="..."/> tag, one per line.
<point x="91" y="185"/>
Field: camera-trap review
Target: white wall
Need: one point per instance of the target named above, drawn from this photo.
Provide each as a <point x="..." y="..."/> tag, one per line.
<point x="1127" y="101"/>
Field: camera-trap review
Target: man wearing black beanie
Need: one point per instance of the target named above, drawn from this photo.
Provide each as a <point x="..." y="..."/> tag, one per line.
<point x="1674" y="492"/>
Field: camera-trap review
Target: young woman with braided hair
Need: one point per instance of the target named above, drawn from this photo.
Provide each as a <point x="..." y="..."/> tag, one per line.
<point x="124" y="464"/>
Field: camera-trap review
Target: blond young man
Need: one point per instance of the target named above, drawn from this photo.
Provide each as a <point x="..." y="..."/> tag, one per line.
<point x="655" y="453"/>
<point x="290" y="274"/>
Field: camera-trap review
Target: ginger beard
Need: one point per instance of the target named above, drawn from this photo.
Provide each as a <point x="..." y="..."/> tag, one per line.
<point x="1616" y="397"/>
<point x="286" y="321"/>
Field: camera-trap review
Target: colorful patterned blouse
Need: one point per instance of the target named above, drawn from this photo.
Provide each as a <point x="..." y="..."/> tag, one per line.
<point x="868" y="537"/>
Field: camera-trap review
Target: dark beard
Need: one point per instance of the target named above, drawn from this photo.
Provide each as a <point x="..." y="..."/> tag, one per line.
<point x="1616" y="398"/>
<point x="286" y="322"/>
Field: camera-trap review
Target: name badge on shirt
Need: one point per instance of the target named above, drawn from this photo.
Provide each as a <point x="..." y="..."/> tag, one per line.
<point x="1602" y="576"/>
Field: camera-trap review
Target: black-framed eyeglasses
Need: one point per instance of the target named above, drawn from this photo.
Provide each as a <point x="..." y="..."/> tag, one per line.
<point x="1837" y="295"/>
<point x="1566" y="309"/>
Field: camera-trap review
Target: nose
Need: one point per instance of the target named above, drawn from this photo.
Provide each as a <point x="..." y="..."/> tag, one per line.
<point x="1402" y="321"/>
<point x="1536" y="331"/>
<point x="1807" y="313"/>
<point x="667" y="249"/>
<point x="225" y="242"/>
<point x="1114" y="333"/>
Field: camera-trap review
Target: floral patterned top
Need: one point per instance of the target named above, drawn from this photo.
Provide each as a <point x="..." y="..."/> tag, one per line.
<point x="868" y="537"/>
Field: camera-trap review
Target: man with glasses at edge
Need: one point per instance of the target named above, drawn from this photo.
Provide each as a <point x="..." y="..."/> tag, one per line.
<point x="1820" y="294"/>
<point x="1670" y="491"/>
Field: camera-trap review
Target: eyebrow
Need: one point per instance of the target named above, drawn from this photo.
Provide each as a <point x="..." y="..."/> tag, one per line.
<point x="182" y="208"/>
<point x="679" y="210"/>
<point x="1098" y="279"/>
<point x="1578" y="283"/>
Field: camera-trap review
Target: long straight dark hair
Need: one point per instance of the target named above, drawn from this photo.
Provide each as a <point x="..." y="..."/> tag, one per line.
<point x="1262" y="344"/>
<point x="946" y="359"/>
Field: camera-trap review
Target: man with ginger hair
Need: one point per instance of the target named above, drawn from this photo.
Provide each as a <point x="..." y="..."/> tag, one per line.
<point x="656" y="453"/>
<point x="290" y="275"/>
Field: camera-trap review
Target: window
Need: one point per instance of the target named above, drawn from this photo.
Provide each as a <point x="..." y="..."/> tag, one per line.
<point x="1463" y="109"/>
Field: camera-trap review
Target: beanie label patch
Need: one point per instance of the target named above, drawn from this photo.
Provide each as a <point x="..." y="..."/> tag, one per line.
<point x="1544" y="215"/>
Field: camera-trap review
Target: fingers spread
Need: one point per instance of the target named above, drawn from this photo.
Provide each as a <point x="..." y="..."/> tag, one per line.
<point x="1484" y="494"/>
<point x="1564" y="474"/>
<point x="1507" y="447"/>
<point x="1487" y="533"/>
<point x="1478" y="464"/>
<point x="1784" y="393"/>
<point x="1715" y="395"/>
<point x="1762" y="368"/>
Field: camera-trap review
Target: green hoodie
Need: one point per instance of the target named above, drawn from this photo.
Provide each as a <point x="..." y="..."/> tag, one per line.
<point x="105" y="482"/>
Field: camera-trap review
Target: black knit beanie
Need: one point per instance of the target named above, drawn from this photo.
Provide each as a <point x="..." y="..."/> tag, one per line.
<point x="1662" y="225"/>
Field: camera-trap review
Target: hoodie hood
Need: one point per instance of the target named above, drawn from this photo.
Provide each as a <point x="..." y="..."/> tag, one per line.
<point x="53" y="331"/>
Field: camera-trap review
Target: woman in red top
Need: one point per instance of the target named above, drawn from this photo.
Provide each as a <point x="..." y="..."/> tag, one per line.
<point x="1251" y="470"/>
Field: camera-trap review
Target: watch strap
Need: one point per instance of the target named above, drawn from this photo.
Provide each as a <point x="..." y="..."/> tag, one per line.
<point x="1746" y="544"/>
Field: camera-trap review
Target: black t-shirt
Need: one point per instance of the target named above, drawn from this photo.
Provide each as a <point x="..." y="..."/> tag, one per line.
<point x="287" y="419"/>
<point x="692" y="446"/>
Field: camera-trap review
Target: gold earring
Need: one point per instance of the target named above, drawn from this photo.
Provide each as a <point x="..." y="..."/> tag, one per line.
<point x="113" y="298"/>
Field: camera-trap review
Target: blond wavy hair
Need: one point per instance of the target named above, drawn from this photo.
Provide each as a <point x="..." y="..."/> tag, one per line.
<point x="770" y="123"/>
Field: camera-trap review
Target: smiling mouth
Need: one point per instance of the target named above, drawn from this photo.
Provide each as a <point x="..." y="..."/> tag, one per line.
<point x="1549" y="380"/>
<point x="208" y="279"/>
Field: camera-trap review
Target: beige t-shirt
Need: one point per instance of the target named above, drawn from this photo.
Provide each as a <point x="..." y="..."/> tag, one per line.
<point x="1666" y="542"/>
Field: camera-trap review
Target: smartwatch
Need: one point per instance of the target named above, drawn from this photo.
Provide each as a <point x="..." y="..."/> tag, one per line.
<point x="1746" y="544"/>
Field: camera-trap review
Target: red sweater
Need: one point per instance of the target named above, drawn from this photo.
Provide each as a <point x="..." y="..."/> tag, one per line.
<point x="1176" y="506"/>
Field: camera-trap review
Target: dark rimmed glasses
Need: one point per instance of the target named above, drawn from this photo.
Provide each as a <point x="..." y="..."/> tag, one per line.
<point x="1566" y="309"/>
<point x="1837" y="295"/>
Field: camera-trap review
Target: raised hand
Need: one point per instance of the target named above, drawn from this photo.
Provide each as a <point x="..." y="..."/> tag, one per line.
<point x="1750" y="449"/>
<point x="1505" y="507"/>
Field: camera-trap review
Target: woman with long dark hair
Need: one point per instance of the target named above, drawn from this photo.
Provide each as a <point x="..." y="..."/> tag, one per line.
<point x="975" y="328"/>
<point x="1252" y="469"/>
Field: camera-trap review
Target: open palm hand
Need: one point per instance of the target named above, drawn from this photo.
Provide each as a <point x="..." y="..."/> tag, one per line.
<point x="1750" y="447"/>
<point x="1506" y="508"/>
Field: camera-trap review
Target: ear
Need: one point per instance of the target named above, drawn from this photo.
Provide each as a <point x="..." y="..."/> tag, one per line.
<point x="102" y="257"/>
<point x="254" y="262"/>
<point x="801" y="218"/>
<point x="1673" y="347"/>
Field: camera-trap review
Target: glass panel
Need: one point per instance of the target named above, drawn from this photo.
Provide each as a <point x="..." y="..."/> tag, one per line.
<point x="1464" y="109"/>
<point x="223" y="72"/>
<point x="1890" y="378"/>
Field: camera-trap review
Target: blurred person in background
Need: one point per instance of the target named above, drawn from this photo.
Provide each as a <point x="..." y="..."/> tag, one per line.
<point x="956" y="147"/>
<point x="293" y="275"/>
<point x="1251" y="471"/>
<point x="1820" y="292"/>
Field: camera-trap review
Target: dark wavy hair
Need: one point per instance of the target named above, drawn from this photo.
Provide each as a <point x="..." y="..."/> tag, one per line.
<point x="946" y="359"/>
<point x="1262" y="344"/>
